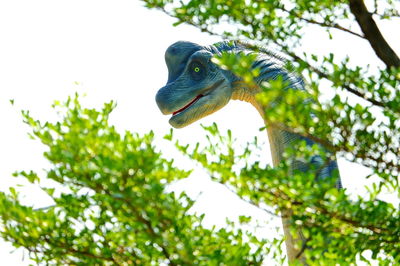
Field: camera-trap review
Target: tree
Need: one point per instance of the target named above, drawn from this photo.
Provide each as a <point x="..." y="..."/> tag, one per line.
<point x="111" y="206"/>
<point x="358" y="123"/>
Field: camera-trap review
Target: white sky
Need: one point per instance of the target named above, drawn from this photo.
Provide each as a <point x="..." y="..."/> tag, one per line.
<point x="115" y="50"/>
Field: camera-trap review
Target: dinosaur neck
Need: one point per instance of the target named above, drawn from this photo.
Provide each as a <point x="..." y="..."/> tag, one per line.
<point x="270" y="68"/>
<point x="243" y="92"/>
<point x="246" y="93"/>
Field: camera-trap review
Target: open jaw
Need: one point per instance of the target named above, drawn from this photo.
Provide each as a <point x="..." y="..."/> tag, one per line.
<point x="198" y="97"/>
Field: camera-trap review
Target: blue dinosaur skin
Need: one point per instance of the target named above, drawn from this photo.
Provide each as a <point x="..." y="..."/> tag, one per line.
<point x="196" y="87"/>
<point x="324" y="172"/>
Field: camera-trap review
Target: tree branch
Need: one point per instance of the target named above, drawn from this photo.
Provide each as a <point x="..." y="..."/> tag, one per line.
<point x="344" y="85"/>
<point x="147" y="223"/>
<point x="323" y="24"/>
<point x="373" y="34"/>
<point x="303" y="247"/>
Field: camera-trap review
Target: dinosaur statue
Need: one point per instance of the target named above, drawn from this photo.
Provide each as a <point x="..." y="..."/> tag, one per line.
<point x="197" y="87"/>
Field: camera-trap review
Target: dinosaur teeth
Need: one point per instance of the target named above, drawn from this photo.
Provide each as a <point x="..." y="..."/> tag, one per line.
<point x="188" y="105"/>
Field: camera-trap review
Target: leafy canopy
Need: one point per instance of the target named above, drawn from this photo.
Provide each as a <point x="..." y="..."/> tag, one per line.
<point x="359" y="122"/>
<point x="110" y="203"/>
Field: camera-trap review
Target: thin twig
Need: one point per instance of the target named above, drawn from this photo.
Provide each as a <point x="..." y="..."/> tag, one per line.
<point x="303" y="247"/>
<point x="323" y="24"/>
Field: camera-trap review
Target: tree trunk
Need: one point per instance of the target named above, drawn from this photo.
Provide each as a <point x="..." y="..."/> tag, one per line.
<point x="373" y="34"/>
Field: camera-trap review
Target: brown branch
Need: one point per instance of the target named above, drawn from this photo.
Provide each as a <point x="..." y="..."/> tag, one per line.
<point x="88" y="254"/>
<point x="98" y="188"/>
<point x="251" y="202"/>
<point x="319" y="72"/>
<point x="373" y="34"/>
<point x="344" y="85"/>
<point x="147" y="223"/>
<point x="280" y="194"/>
<point x="66" y="250"/>
<point x="323" y="24"/>
<point x="303" y="247"/>
<point x="281" y="126"/>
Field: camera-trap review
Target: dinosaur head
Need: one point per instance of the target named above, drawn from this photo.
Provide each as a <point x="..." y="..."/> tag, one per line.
<point x="196" y="87"/>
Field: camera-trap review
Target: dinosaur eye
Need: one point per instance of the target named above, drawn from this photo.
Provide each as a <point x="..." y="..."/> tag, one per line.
<point x="197" y="71"/>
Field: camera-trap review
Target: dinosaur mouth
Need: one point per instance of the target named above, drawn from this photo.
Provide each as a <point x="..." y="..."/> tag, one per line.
<point x="188" y="105"/>
<point x="206" y="92"/>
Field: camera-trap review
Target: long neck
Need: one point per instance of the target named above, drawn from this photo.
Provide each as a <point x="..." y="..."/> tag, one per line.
<point x="244" y="92"/>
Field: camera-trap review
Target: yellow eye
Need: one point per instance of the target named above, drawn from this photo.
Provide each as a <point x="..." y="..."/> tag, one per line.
<point x="196" y="69"/>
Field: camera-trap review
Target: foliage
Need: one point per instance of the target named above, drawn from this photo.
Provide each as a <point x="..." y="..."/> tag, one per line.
<point x="360" y="122"/>
<point x="337" y="228"/>
<point x="110" y="202"/>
